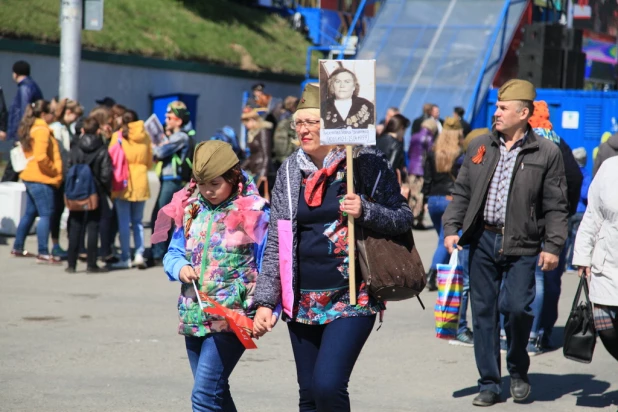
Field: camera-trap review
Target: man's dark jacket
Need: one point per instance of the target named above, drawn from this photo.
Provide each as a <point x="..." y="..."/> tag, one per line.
<point x="4" y="113"/>
<point x="537" y="206"/>
<point x="27" y="92"/>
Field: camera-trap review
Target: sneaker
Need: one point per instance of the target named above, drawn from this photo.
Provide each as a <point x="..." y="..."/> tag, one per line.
<point x="504" y="348"/>
<point x="122" y="264"/>
<point x="96" y="269"/>
<point x="532" y="348"/>
<point x="139" y="262"/>
<point x="59" y="252"/>
<point x="70" y="270"/>
<point x="22" y="253"/>
<point x="463" y="339"/>
<point x="111" y="259"/>
<point x="49" y="259"/>
<point x="545" y="343"/>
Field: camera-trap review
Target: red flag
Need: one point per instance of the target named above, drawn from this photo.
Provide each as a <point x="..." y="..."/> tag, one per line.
<point x="241" y="325"/>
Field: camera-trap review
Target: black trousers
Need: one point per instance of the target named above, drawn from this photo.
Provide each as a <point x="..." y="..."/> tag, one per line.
<point x="108" y="225"/>
<point x="54" y="225"/>
<point x="79" y="224"/>
<point x="488" y="268"/>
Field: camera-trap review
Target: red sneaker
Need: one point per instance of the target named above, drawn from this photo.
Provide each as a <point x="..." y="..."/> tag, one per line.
<point x="21" y="253"/>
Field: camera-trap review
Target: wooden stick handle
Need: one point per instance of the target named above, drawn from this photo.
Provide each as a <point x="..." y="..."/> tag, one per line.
<point x="351" y="237"/>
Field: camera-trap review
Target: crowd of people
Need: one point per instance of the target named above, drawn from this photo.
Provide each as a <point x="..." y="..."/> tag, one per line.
<point x="515" y="200"/>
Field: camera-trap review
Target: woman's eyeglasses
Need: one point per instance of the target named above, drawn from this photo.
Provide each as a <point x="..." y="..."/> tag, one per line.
<point x="307" y="123"/>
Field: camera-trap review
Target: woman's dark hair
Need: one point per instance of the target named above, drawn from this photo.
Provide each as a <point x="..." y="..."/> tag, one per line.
<point x="397" y="125"/>
<point x="332" y="78"/>
<point x="128" y="117"/>
<point x="33" y="111"/>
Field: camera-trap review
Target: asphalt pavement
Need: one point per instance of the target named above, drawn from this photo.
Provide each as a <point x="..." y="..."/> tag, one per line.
<point x="108" y="342"/>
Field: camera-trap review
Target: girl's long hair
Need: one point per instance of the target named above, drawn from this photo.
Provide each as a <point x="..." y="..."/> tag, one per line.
<point x="33" y="111"/>
<point x="128" y="117"/>
<point x="447" y="149"/>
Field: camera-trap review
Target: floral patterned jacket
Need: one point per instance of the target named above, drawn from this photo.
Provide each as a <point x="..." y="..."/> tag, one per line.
<point x="388" y="213"/>
<point x="225" y="245"/>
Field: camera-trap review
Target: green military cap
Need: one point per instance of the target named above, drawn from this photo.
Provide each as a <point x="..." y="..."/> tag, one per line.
<point x="517" y="89"/>
<point x="310" y="98"/>
<point x="211" y="159"/>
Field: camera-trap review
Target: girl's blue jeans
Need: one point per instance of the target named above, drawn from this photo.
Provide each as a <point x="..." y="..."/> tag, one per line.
<point x="212" y="359"/>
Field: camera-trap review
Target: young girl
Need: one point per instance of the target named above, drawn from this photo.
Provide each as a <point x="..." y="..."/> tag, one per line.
<point x="218" y="243"/>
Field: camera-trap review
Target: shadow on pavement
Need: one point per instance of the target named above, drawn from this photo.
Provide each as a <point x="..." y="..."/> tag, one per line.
<point x="589" y="392"/>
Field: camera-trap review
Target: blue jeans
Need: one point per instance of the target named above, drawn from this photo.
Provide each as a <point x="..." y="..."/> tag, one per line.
<point x="500" y="284"/>
<point x="168" y="188"/>
<point x="212" y="359"/>
<point x="436" y="205"/>
<point x="552" y="283"/>
<point x="130" y="213"/>
<point x="39" y="202"/>
<point x="325" y="356"/>
<point x="463" y="261"/>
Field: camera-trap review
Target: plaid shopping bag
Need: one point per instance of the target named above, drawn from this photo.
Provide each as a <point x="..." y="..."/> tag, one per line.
<point x="450" y="286"/>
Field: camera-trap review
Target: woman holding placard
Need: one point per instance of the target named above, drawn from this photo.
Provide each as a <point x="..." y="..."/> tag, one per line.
<point x="306" y="259"/>
<point x="345" y="109"/>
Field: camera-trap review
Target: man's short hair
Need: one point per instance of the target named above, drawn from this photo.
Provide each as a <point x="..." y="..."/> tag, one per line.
<point x="90" y="125"/>
<point x="427" y="108"/>
<point x="393" y="109"/>
<point x="460" y="111"/>
<point x="21" y="68"/>
<point x="529" y="104"/>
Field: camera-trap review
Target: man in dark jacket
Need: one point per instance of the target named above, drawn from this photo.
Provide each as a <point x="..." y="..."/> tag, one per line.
<point x="509" y="199"/>
<point x="606" y="150"/>
<point x="416" y="123"/>
<point x="458" y="112"/>
<point x="4" y="116"/>
<point x="92" y="151"/>
<point x="27" y="92"/>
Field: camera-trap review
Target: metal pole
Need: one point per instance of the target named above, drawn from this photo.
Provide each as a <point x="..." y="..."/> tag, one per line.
<point x="70" y="47"/>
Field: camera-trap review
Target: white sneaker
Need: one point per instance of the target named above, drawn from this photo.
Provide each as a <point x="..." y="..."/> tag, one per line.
<point x="139" y="262"/>
<point x="122" y="264"/>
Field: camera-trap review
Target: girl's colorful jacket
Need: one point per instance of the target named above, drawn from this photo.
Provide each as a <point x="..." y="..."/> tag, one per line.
<point x="225" y="245"/>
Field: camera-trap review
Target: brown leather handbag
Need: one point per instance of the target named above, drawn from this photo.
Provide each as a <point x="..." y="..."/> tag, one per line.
<point x="390" y="265"/>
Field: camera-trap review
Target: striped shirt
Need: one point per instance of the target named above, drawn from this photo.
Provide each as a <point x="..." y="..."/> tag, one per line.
<point x="498" y="194"/>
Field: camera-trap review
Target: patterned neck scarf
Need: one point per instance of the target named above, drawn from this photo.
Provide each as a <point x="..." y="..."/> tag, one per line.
<point x="316" y="178"/>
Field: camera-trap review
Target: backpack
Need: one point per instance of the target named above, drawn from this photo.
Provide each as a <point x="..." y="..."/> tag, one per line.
<point x="120" y="175"/>
<point x="282" y="140"/>
<point x="184" y="161"/>
<point x="80" y="191"/>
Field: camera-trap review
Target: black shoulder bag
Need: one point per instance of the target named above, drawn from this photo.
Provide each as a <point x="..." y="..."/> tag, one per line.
<point x="579" y="333"/>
